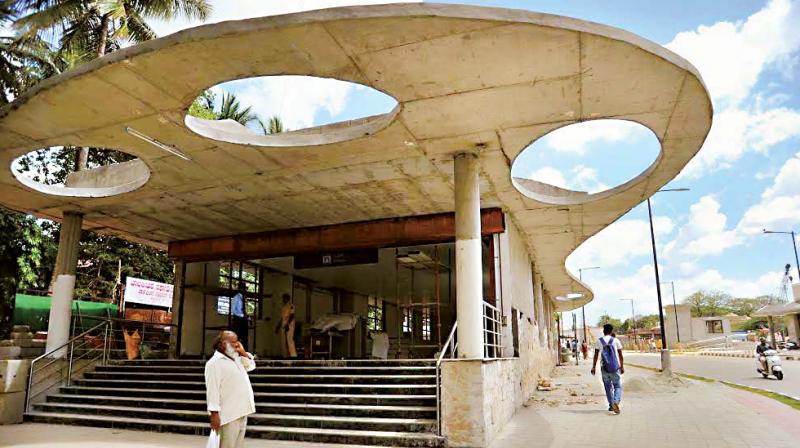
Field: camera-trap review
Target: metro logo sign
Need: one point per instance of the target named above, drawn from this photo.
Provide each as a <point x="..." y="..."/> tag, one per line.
<point x="148" y="292"/>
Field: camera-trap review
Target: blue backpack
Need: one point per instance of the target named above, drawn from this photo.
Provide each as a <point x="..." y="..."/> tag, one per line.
<point x="610" y="363"/>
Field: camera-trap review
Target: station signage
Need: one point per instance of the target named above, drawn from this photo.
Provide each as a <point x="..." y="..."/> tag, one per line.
<point x="328" y="259"/>
<point x="147" y="292"/>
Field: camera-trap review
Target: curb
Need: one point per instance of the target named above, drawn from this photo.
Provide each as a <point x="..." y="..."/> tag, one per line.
<point x="739" y="355"/>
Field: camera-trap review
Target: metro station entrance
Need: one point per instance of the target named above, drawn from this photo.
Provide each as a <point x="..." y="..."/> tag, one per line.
<point x="395" y="302"/>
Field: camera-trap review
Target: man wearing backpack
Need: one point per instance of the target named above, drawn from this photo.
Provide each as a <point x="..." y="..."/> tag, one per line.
<point x="610" y="351"/>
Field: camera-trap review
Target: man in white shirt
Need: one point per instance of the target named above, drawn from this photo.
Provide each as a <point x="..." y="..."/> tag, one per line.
<point x="611" y="367"/>
<point x="229" y="394"/>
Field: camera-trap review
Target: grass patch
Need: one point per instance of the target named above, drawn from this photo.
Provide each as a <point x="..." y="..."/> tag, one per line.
<point x="684" y="375"/>
<point x="782" y="398"/>
<point x="697" y="378"/>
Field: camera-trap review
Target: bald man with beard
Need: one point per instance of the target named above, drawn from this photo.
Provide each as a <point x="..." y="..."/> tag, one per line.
<point x="229" y="395"/>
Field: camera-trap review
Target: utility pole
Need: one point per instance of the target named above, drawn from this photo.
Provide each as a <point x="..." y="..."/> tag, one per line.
<point x="675" y="309"/>
<point x="666" y="362"/>
<point x="583" y="308"/>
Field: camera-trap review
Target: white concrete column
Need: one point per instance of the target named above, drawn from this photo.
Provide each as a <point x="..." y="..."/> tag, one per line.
<point x="64" y="286"/>
<point x="469" y="267"/>
<point x="541" y="319"/>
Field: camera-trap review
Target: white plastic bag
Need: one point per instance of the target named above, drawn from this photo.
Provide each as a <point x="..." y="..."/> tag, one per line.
<point x="213" y="440"/>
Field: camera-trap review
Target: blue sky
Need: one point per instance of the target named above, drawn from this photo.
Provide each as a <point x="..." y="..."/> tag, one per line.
<point x="746" y="177"/>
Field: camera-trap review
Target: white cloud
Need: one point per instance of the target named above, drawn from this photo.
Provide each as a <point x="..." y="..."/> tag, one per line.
<point x="585" y="179"/>
<point x="705" y="232"/>
<point x="576" y="138"/>
<point x="549" y="175"/>
<point x="731" y="56"/>
<point x="787" y="182"/>
<point x="619" y="243"/>
<point x="780" y="203"/>
<point x="296" y="99"/>
<point x="580" y="178"/>
<point x="736" y="131"/>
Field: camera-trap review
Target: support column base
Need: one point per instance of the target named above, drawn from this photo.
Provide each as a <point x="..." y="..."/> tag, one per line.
<point x="666" y="362"/>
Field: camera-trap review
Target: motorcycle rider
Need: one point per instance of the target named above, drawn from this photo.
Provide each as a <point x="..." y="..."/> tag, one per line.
<point x="760" y="349"/>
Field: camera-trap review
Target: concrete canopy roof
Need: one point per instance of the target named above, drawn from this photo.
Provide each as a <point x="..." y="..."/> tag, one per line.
<point x="465" y="78"/>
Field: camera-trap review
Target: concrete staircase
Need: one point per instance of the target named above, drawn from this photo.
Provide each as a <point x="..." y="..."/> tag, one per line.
<point x="385" y="403"/>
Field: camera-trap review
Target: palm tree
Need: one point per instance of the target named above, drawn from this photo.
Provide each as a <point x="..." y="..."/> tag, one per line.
<point x="88" y="29"/>
<point x="95" y="27"/>
<point x="231" y="109"/>
<point x="274" y="126"/>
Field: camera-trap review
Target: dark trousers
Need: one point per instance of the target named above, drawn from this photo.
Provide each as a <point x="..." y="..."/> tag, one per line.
<point x="241" y="330"/>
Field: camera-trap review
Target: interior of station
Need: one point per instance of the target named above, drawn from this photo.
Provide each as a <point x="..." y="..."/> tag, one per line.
<point x="384" y="302"/>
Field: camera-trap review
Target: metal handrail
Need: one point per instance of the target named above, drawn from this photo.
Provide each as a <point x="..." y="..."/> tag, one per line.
<point x="453" y="346"/>
<point x="71" y="344"/>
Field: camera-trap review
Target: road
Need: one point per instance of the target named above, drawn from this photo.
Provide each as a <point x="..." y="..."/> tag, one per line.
<point x="736" y="370"/>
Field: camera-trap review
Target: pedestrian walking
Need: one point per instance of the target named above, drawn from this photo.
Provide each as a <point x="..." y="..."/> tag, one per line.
<point x="609" y="349"/>
<point x="229" y="395"/>
<point x="585" y="350"/>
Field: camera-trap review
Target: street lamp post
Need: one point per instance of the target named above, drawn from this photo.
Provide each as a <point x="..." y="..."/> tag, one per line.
<point x="666" y="363"/>
<point x="675" y="309"/>
<point x="583" y="308"/>
<point x="794" y="243"/>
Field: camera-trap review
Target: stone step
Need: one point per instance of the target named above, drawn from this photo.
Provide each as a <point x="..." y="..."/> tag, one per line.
<point x="287" y="397"/>
<point x="273" y="370"/>
<point x="261" y="407"/>
<point x="258" y="378"/>
<point x="317" y="435"/>
<point x="266" y="387"/>
<point x="288" y="420"/>
<point x="292" y="363"/>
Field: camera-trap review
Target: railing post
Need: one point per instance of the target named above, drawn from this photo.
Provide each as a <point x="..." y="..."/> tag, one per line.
<point x="71" y="353"/>
<point x="105" y="343"/>
<point x="28" y="389"/>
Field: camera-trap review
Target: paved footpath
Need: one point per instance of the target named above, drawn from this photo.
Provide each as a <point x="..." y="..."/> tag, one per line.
<point x="655" y="414"/>
<point x="736" y="370"/>
<point x="37" y="435"/>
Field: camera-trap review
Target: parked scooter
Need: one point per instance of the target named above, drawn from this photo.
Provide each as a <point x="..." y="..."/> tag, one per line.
<point x="773" y="362"/>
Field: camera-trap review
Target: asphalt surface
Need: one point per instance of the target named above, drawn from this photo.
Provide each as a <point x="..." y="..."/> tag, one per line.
<point x="735" y="370"/>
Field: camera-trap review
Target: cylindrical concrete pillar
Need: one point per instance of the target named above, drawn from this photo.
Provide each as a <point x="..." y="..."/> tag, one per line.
<point x="469" y="266"/>
<point x="68" y="245"/>
<point x="64" y="281"/>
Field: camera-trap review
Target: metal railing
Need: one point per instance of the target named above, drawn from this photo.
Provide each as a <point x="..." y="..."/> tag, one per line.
<point x="492" y="331"/>
<point x="77" y="354"/>
<point x="450" y="345"/>
<point x="155" y="337"/>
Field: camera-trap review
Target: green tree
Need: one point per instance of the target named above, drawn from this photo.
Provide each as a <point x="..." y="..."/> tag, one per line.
<point x="606" y="319"/>
<point x="707" y="304"/>
<point x="274" y="126"/>
<point x="54" y="36"/>
<point x="744" y="306"/>
<point x="88" y="29"/>
<point x="19" y="260"/>
<point x="232" y="109"/>
<point x="203" y="106"/>
<point x="96" y="27"/>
